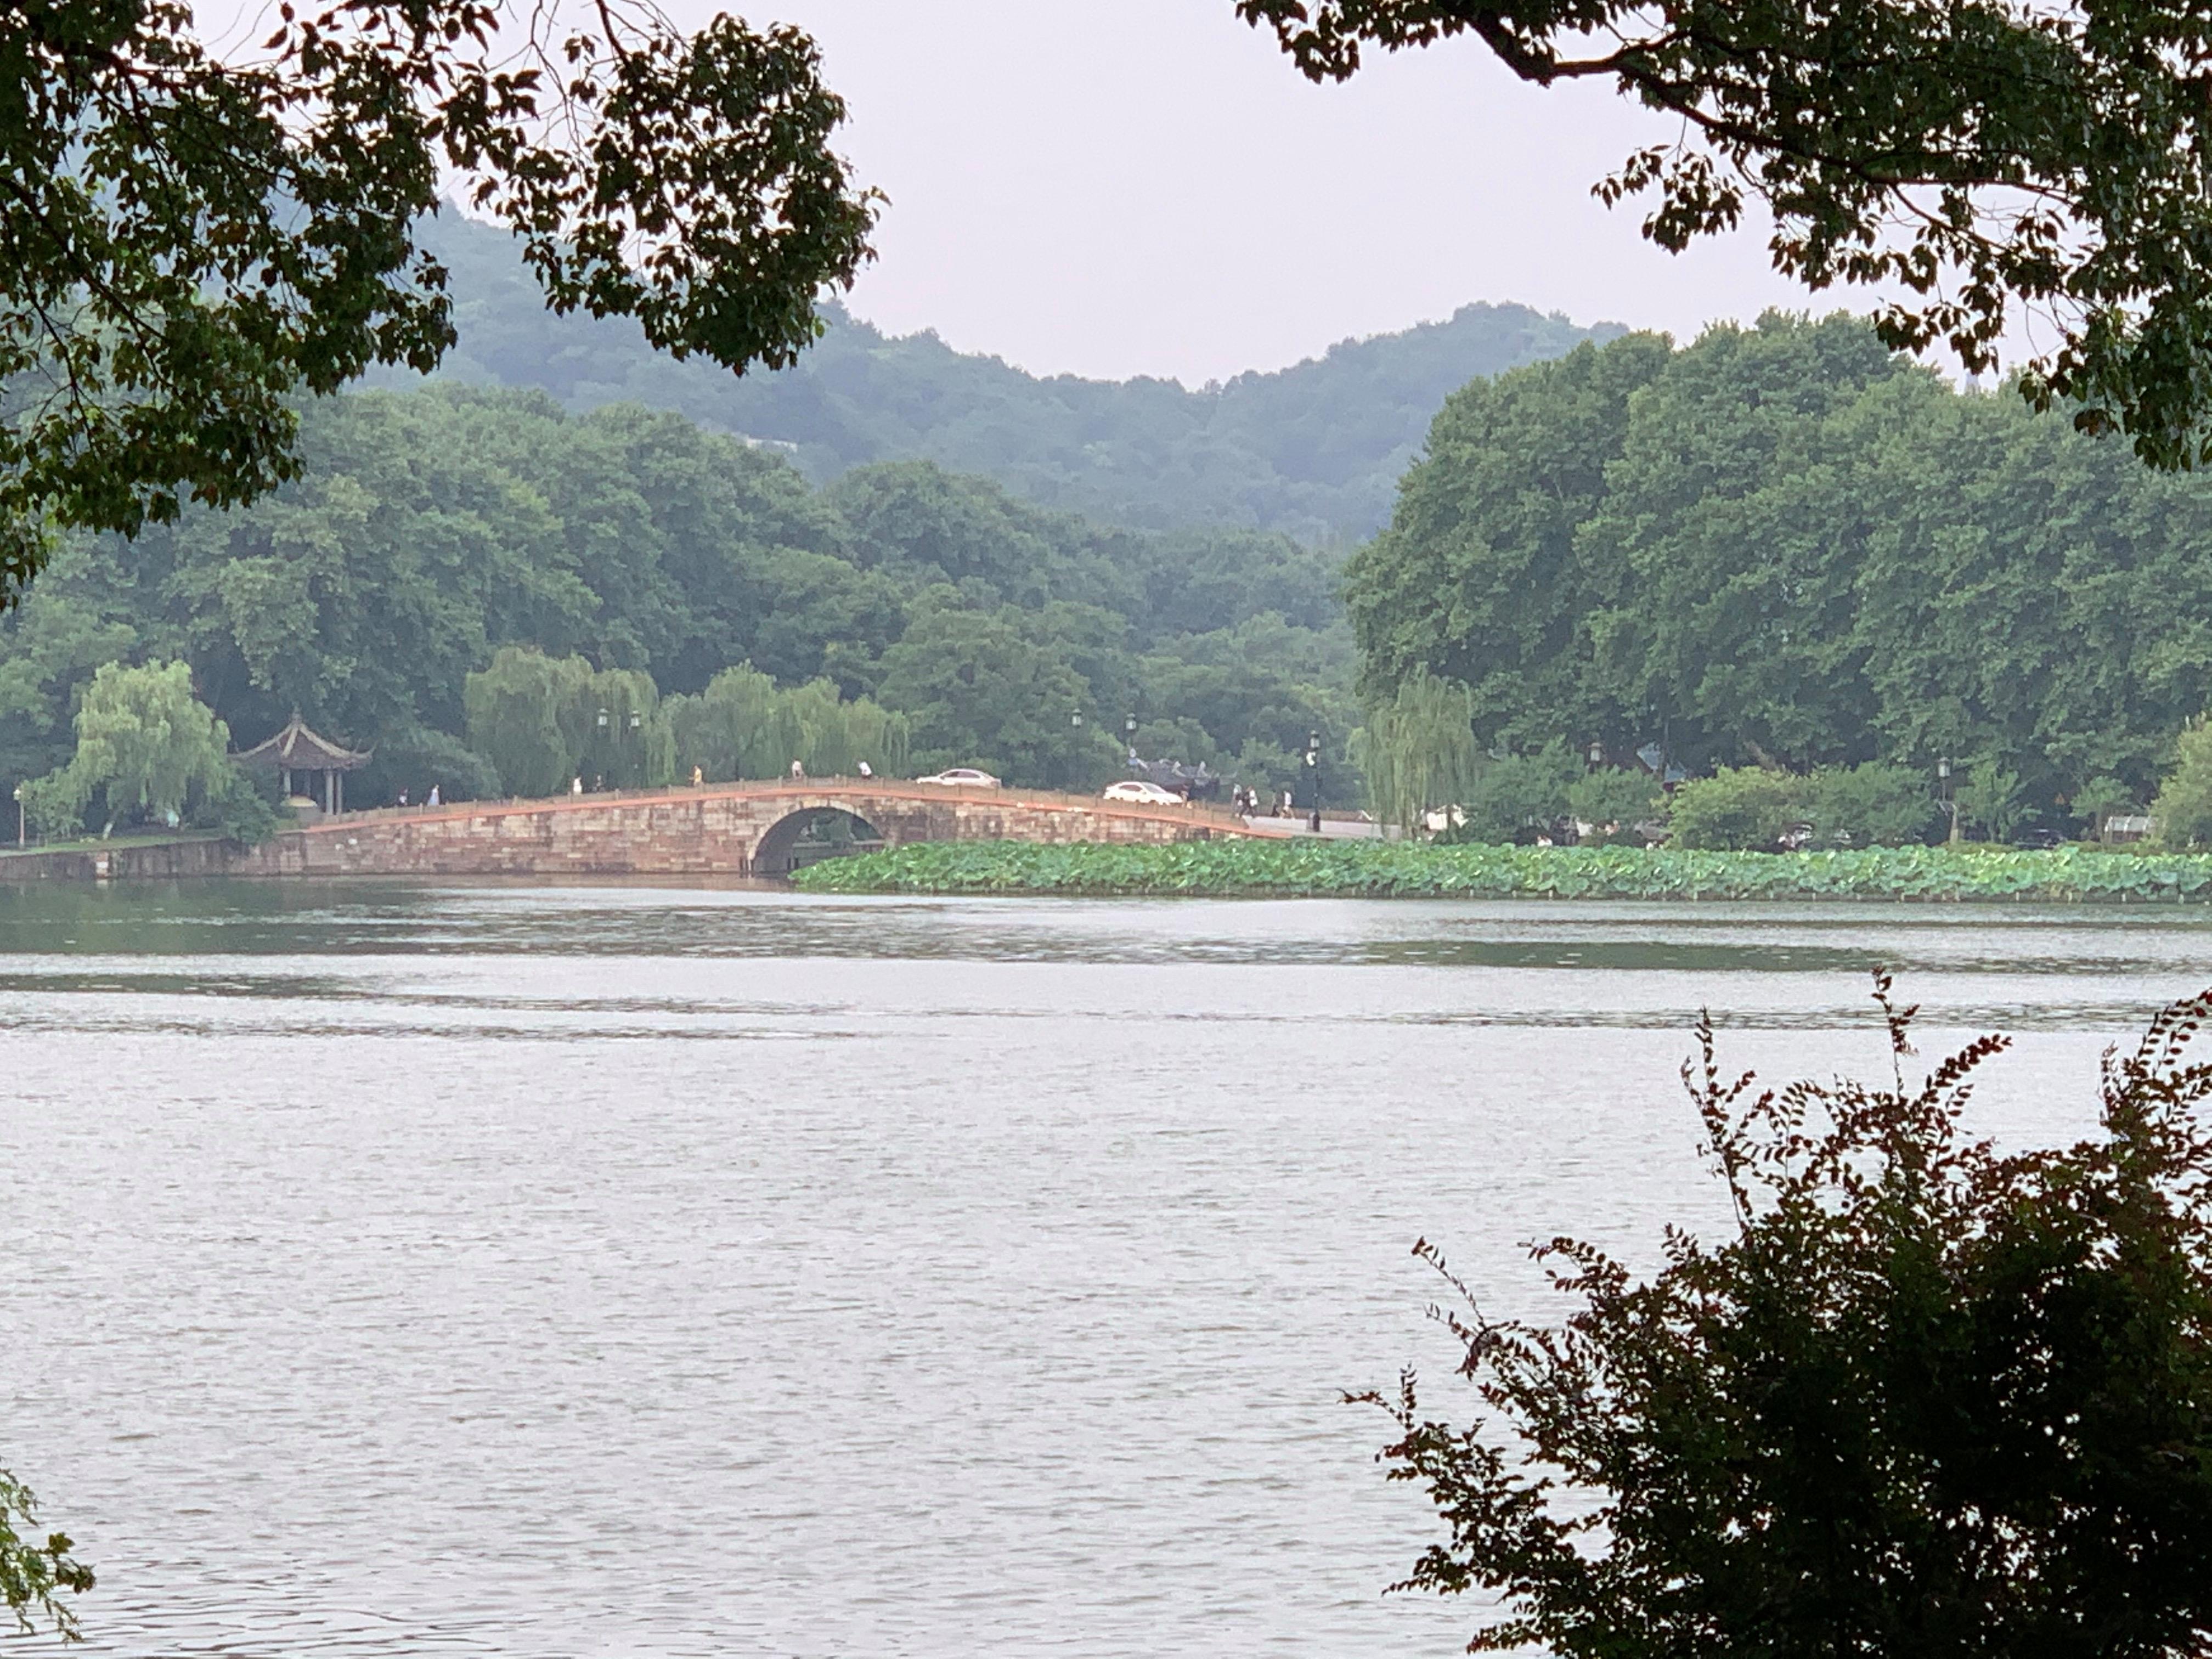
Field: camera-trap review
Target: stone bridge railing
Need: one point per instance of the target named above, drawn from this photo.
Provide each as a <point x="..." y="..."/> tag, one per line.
<point x="738" y="829"/>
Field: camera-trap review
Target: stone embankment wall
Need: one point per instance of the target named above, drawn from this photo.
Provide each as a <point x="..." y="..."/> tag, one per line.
<point x="731" y="829"/>
<point x="167" y="860"/>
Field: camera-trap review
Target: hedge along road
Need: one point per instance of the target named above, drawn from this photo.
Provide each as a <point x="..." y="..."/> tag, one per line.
<point x="1398" y="870"/>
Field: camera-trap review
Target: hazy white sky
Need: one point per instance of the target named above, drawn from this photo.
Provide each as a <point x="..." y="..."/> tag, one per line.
<point x="1121" y="187"/>
<point x="1116" y="187"/>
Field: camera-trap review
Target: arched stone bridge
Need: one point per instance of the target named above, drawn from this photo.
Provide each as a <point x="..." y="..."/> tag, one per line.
<point x="737" y="829"/>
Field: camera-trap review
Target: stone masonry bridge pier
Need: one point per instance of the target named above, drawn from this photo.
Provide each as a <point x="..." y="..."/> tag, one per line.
<point x="735" y="828"/>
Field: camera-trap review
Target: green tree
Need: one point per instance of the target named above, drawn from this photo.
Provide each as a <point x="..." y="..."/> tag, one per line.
<point x="418" y="760"/>
<point x="1417" y="751"/>
<point x="193" y="236"/>
<point x="1875" y="804"/>
<point x="2102" y="798"/>
<point x="625" y="739"/>
<point x="1518" y="797"/>
<point x="1920" y="1398"/>
<point x="145" y="743"/>
<point x="981" y="691"/>
<point x="744" y="725"/>
<point x="1993" y="799"/>
<point x="1739" y="808"/>
<point x="1776" y="547"/>
<point x="1479" y="577"/>
<point x="1894" y="143"/>
<point x="523" y="716"/>
<point x="2183" y="810"/>
<point x="834" y="736"/>
<point x="1613" y="800"/>
<point x="438" y="528"/>
<point x="740" y="727"/>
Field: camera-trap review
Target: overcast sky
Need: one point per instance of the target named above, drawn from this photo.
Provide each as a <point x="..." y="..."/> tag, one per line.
<point x="1116" y="187"/>
<point x="1121" y="187"/>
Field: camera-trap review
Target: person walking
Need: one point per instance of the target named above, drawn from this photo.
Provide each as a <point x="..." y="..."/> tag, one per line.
<point x="797" y="772"/>
<point x="698" y="777"/>
<point x="403" y="798"/>
<point x="576" y="784"/>
<point x="867" y="771"/>
<point x="433" y="798"/>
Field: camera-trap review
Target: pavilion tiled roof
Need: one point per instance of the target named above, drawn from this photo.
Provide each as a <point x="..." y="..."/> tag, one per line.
<point x="303" y="749"/>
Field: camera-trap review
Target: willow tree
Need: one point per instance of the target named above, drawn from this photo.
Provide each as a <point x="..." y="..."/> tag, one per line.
<point x="740" y="727"/>
<point x="144" y="739"/>
<point x="1419" y="750"/>
<point x="745" y="725"/>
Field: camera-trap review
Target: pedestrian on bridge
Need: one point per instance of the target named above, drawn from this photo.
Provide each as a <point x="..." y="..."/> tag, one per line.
<point x="797" y="772"/>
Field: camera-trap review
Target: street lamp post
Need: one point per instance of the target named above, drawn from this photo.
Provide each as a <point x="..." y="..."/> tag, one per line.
<point x="1947" y="794"/>
<point x="1313" y="779"/>
<point x="21" y="841"/>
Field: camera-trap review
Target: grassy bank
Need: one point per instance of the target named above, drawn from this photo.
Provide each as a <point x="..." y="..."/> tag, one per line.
<point x="1378" y="870"/>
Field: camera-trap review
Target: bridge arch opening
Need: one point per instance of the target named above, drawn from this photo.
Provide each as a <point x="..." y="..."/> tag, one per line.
<point x="812" y="835"/>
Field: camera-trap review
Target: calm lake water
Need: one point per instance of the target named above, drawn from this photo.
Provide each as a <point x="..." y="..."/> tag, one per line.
<point x="645" y="1271"/>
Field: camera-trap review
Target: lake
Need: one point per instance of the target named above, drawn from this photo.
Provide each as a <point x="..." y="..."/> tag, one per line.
<point x="645" y="1271"/>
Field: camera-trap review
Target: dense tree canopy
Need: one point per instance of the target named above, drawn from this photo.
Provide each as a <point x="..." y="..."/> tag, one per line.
<point x="189" y="236"/>
<point x="1782" y="545"/>
<point x="434" y="528"/>
<point x="1979" y="159"/>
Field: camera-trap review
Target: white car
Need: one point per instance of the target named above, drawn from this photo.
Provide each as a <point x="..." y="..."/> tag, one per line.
<point x="1145" y="794"/>
<point x="962" y="777"/>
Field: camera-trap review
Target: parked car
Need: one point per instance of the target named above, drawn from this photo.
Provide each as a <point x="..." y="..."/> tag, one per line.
<point x="1145" y="795"/>
<point x="962" y="777"/>
<point x="2038" y="841"/>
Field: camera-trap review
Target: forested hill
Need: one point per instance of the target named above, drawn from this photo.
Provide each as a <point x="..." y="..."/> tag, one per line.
<point x="434" y="529"/>
<point x="1315" y="450"/>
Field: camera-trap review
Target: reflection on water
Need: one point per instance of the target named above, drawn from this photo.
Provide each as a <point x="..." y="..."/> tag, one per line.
<point x="655" y="1270"/>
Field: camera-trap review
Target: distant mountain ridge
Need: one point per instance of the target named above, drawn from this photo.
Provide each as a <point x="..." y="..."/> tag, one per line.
<point x="1315" y="450"/>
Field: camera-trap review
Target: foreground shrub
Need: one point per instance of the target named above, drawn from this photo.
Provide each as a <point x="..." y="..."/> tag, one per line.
<point x="1924" y="1400"/>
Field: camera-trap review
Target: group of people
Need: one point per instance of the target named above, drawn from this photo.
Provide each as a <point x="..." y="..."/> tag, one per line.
<point x="1245" y="800"/>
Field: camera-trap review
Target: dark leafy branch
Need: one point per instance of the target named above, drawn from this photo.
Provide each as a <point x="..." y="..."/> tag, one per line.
<point x="188" y="239"/>
<point x="1982" y="159"/>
